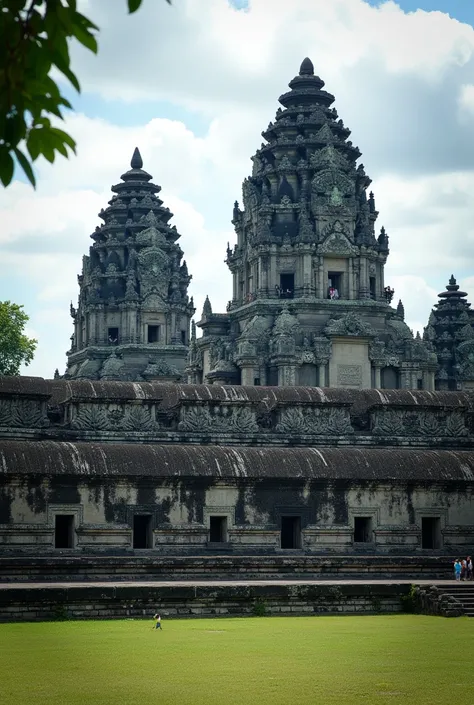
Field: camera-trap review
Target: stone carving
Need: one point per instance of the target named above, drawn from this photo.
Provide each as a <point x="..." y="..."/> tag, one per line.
<point x="400" y="422"/>
<point x="332" y="421"/>
<point x="138" y="418"/>
<point x="349" y="325"/>
<point x="90" y="417"/>
<point x="218" y="420"/>
<point x="349" y="376"/>
<point x="22" y="413"/>
<point x="455" y="424"/>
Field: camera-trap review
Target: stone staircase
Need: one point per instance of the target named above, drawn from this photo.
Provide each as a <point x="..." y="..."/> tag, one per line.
<point x="463" y="592"/>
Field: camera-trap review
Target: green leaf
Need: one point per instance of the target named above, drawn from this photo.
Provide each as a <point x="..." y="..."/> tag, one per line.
<point x="63" y="67"/>
<point x="26" y="166"/>
<point x="133" y="5"/>
<point x="7" y="166"/>
<point x="67" y="139"/>
<point x="81" y="32"/>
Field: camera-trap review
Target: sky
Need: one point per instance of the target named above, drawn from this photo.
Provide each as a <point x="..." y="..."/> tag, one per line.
<point x="194" y="84"/>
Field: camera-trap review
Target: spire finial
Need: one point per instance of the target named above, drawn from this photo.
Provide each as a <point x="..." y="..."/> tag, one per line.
<point x="307" y="68"/>
<point x="137" y="161"/>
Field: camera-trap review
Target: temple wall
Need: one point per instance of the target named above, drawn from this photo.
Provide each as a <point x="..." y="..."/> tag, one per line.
<point x="181" y="512"/>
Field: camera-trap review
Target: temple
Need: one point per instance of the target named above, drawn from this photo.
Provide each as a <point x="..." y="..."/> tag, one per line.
<point x="316" y="436"/>
<point x="310" y="305"/>
<point x="132" y="320"/>
<point x="450" y="330"/>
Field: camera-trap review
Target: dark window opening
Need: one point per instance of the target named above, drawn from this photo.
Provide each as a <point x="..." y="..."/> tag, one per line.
<point x="363" y="530"/>
<point x="183" y="337"/>
<point x="419" y="384"/>
<point x="287" y="286"/>
<point x="431" y="532"/>
<point x="372" y="288"/>
<point x="113" y="336"/>
<point x="256" y="382"/>
<point x="272" y="376"/>
<point x="142" y="531"/>
<point x="291" y="532"/>
<point x="153" y="334"/>
<point x="389" y="378"/>
<point x="334" y="285"/>
<point x="217" y="529"/>
<point x="64" y="531"/>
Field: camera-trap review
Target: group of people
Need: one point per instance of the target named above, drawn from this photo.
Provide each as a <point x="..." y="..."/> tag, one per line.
<point x="333" y="293"/>
<point x="463" y="568"/>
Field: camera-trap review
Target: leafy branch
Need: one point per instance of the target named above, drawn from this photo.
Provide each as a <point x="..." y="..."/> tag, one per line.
<point x="34" y="40"/>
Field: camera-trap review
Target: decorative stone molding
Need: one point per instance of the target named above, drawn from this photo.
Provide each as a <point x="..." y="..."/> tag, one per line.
<point x="222" y="419"/>
<point x="332" y="421"/>
<point x="399" y="422"/>
<point x="23" y="413"/>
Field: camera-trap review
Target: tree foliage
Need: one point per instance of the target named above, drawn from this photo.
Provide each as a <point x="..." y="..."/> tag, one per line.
<point x="15" y="347"/>
<point x="34" y="42"/>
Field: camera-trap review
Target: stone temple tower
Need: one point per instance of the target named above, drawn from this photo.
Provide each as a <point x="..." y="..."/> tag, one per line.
<point x="309" y="305"/>
<point x="450" y="330"/>
<point x="133" y="316"/>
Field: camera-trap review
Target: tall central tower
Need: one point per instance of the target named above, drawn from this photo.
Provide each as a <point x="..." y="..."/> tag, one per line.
<point x="309" y="301"/>
<point x="133" y="315"/>
<point x="307" y="226"/>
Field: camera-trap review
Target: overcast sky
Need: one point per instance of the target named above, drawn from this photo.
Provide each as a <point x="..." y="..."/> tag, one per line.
<point x="193" y="86"/>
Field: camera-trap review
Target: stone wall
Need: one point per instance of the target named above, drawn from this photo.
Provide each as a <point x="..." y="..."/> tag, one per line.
<point x="148" y="566"/>
<point x="103" y="454"/>
<point x="141" y="602"/>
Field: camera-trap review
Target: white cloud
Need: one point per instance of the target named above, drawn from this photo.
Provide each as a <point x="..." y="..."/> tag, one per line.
<point x="403" y="84"/>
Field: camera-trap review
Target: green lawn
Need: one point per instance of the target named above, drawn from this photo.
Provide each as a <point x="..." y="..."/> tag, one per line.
<point x="278" y="661"/>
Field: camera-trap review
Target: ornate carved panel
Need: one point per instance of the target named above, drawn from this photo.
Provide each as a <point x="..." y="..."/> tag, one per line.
<point x="349" y="375"/>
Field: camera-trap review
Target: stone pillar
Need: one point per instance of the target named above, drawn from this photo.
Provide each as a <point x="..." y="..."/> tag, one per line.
<point x="92" y="328"/>
<point x="321" y="283"/>
<point x="377" y="377"/>
<point x="132" y="317"/>
<point x="247" y="376"/>
<point x="273" y="273"/>
<point x="286" y="375"/>
<point x="322" y="374"/>
<point x="350" y="275"/>
<point x="307" y="273"/>
<point x="363" y="279"/>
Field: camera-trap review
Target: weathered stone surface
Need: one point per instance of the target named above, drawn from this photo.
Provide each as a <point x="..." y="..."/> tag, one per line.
<point x="309" y="304"/>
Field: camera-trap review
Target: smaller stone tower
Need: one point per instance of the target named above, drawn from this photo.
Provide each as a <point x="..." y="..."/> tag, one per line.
<point x="132" y="320"/>
<point x="450" y="330"/>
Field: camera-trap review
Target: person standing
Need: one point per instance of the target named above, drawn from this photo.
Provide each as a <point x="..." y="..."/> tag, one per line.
<point x="157" y="618"/>
<point x="469" y="568"/>
<point x="457" y="569"/>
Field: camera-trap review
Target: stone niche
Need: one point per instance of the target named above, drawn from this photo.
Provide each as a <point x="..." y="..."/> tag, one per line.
<point x="349" y="366"/>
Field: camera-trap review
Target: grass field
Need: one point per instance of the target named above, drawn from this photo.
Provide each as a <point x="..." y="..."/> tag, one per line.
<point x="279" y="661"/>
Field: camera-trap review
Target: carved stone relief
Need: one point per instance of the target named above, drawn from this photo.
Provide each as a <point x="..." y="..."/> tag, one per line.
<point x="26" y="413"/>
<point x="332" y="421"/>
<point x="400" y="422"/>
<point x="223" y="419"/>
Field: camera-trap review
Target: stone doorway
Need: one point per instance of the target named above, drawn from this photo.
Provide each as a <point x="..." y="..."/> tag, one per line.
<point x="430" y="533"/>
<point x="290" y="537"/>
<point x="218" y="529"/>
<point x="64" y="531"/>
<point x="142" y="531"/>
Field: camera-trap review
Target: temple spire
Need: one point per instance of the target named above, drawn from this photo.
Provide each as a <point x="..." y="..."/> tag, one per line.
<point x="137" y="161"/>
<point x="306" y="68"/>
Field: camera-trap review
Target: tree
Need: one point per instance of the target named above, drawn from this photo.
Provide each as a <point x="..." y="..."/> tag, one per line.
<point x="34" y="36"/>
<point x="15" y="347"/>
